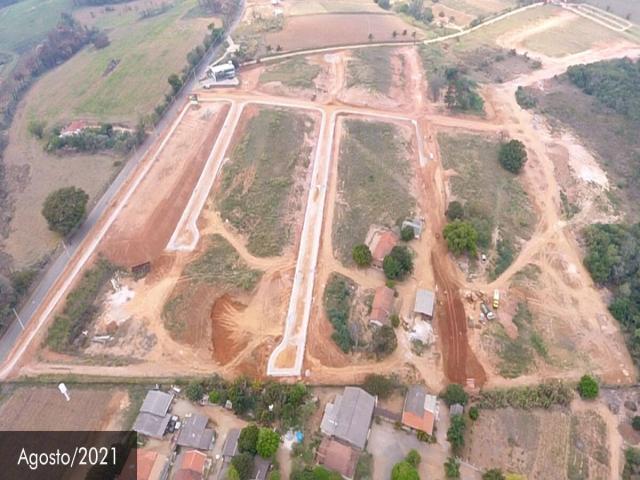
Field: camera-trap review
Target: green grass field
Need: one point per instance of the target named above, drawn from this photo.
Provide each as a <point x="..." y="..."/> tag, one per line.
<point x="259" y="192"/>
<point x="370" y="68"/>
<point x="297" y="73"/>
<point x="493" y="198"/>
<point x="148" y="51"/>
<point x="311" y="7"/>
<point x="374" y="182"/>
<point x="480" y="7"/>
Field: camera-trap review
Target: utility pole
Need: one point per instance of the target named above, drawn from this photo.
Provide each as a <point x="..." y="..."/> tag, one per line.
<point x="18" y="317"/>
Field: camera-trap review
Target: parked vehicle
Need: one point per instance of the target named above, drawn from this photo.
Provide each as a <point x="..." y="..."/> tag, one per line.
<point x="486" y="312"/>
<point x="496" y="299"/>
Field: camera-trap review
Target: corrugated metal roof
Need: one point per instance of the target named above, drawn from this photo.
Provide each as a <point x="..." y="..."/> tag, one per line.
<point x="425" y="300"/>
<point x="231" y="443"/>
<point x="157" y="403"/>
<point x="151" y="425"/>
<point x="349" y="417"/>
<point x="195" y="434"/>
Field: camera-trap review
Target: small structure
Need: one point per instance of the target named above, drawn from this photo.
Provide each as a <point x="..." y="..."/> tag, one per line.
<point x="224" y="71"/>
<point x="338" y="457"/>
<point x="456" y="409"/>
<point x="74" y="128"/>
<point x="381" y="243"/>
<point x="190" y="465"/>
<point x="146" y="465"/>
<point x="154" y="414"/>
<point x="195" y="434"/>
<point x="417" y="224"/>
<point x="422" y="332"/>
<point x="261" y="468"/>
<point x="425" y="301"/>
<point x="230" y="448"/>
<point x="420" y="410"/>
<point x="382" y="306"/>
<point x="348" y="418"/>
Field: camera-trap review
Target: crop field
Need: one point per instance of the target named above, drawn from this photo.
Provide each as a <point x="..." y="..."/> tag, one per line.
<point x="262" y="186"/>
<point x="297" y="73"/>
<point x="479" y="8"/>
<point x="311" y="7"/>
<point x="370" y="68"/>
<point x="374" y="182"/>
<point x="493" y="198"/>
<point x="44" y="408"/>
<point x="86" y="87"/>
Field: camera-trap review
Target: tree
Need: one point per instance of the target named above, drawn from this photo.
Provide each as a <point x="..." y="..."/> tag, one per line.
<point x="474" y="413"/>
<point x="452" y="468"/>
<point x="414" y="458"/>
<point x="455" y="434"/>
<point x="404" y="471"/>
<point x="232" y="473"/>
<point x="384" y="4"/>
<point x="268" y="442"/>
<point x="512" y="156"/>
<point x="36" y="128"/>
<point x="398" y="264"/>
<point x="455" y="211"/>
<point x="493" y="474"/>
<point x="370" y="36"/>
<point x="588" y="387"/>
<point x="194" y="391"/>
<point x="65" y="209"/>
<point x="243" y="463"/>
<point x="461" y="237"/>
<point x="248" y="439"/>
<point x="362" y="255"/>
<point x="407" y="234"/>
<point x="635" y="423"/>
<point x="454" y="393"/>
<point x="175" y="82"/>
<point x="384" y="341"/>
<point x="379" y="385"/>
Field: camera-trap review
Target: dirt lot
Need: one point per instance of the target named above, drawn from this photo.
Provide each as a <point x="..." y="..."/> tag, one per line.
<point x="44" y="408"/>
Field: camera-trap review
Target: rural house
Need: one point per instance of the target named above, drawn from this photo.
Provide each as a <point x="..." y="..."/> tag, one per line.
<point x="154" y="414"/>
<point x="230" y="448"/>
<point x="416" y="225"/>
<point x="381" y="243"/>
<point x="195" y="434"/>
<point x="420" y="410"/>
<point x="261" y="468"/>
<point x="191" y="465"/>
<point x="74" y="128"/>
<point x="338" y="457"/>
<point x="425" y="301"/>
<point x="145" y="465"/>
<point x="348" y="418"/>
<point x="382" y="306"/>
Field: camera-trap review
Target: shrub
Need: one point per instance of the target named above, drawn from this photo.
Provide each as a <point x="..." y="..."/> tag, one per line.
<point x="540" y="396"/>
<point x="362" y="255"/>
<point x="337" y="304"/>
<point x="194" y="391"/>
<point x="268" y="442"/>
<point x="232" y="473"/>
<point x="248" y="439"/>
<point x="512" y="156"/>
<point x="384" y="341"/>
<point x="455" y="211"/>
<point x="395" y="320"/>
<point x="413" y="458"/>
<point x="243" y="463"/>
<point x="379" y="385"/>
<point x="455" y="434"/>
<point x="454" y="393"/>
<point x="461" y="237"/>
<point x="474" y="413"/>
<point x="407" y="234"/>
<point x="493" y="474"/>
<point x="635" y="423"/>
<point x="398" y="264"/>
<point x="36" y="128"/>
<point x="588" y="387"/>
<point x="404" y="471"/>
<point x="452" y="468"/>
<point x="64" y="209"/>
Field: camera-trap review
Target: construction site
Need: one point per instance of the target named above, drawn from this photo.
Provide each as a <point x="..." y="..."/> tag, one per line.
<point x="225" y="238"/>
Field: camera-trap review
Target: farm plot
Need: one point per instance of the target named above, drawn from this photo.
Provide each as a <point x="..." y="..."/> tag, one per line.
<point x="44" y="408"/>
<point x="374" y="181"/>
<point x="480" y="8"/>
<point x="370" y="69"/>
<point x="312" y="7"/>
<point x="295" y="73"/>
<point x="494" y="201"/>
<point x="262" y="187"/>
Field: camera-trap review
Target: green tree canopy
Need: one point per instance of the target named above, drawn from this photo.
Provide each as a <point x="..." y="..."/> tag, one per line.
<point x="404" y="471"/>
<point x="65" y="209"/>
<point x="455" y="434"/>
<point x="384" y="341"/>
<point x="493" y="474"/>
<point x="361" y="255"/>
<point x="455" y="211"/>
<point x="243" y="463"/>
<point x="248" y="439"/>
<point x="454" y="393"/>
<point x="461" y="237"/>
<point x="407" y="234"/>
<point x="398" y="264"/>
<point x="588" y="387"/>
<point x="194" y="391"/>
<point x="512" y="156"/>
<point x="414" y="458"/>
<point x="452" y="468"/>
<point x="268" y="442"/>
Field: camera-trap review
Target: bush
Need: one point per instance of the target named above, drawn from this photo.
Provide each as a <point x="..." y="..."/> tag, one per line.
<point x="379" y="385"/>
<point x="512" y="156"/>
<point x="248" y="439"/>
<point x="524" y="99"/>
<point x="362" y="255"/>
<point x="36" y="128"/>
<point x="474" y="413"/>
<point x="461" y="237"/>
<point x="588" y="387"/>
<point x="194" y="391"/>
<point x="407" y="234"/>
<point x="635" y="423"/>
<point x="455" y="434"/>
<point x="398" y="264"/>
<point x="384" y="341"/>
<point x="395" y="320"/>
<point x="544" y="395"/>
<point x="268" y="442"/>
<point x="413" y="458"/>
<point x="232" y="473"/>
<point x="65" y="209"/>
<point x="452" y="468"/>
<point x="453" y="394"/>
<point x="404" y="471"/>
<point x="243" y="463"/>
<point x="493" y="474"/>
<point x="455" y="211"/>
<point x="337" y="304"/>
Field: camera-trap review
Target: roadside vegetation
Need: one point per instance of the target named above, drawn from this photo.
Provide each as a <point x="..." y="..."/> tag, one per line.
<point x="544" y="395"/>
<point x="338" y="301"/>
<point x="258" y="193"/>
<point x="296" y="73"/>
<point x="374" y="183"/>
<point x="370" y="68"/>
<point x="492" y="212"/>
<point x="65" y="209"/>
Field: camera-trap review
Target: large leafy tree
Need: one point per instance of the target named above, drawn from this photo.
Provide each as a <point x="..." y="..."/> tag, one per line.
<point x="361" y="255"/>
<point x="248" y="439"/>
<point x="513" y="155"/>
<point x="268" y="442"/>
<point x="461" y="237"/>
<point x="65" y="209"/>
<point x="243" y="463"/>
<point x="398" y="264"/>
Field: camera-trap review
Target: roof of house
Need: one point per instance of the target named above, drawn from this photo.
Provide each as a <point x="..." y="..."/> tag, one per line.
<point x="157" y="402"/>
<point x="74" y="126"/>
<point x="419" y="409"/>
<point x="456" y="409"/>
<point x="382" y="243"/>
<point x="425" y="300"/>
<point x="151" y="425"/>
<point x="230" y="447"/>
<point x="382" y="305"/>
<point x="260" y="468"/>
<point x="349" y="416"/>
<point x="338" y="457"/>
<point x="190" y="465"/>
<point x="195" y="434"/>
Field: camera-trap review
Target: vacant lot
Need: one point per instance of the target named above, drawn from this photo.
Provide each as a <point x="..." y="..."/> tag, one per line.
<point x="494" y="201"/>
<point x="622" y="8"/>
<point x="296" y="73"/>
<point x="371" y="68"/>
<point x="44" y="408"/>
<point x="374" y="185"/>
<point x="310" y="7"/>
<point x="262" y="187"/>
<point x="478" y="8"/>
<point x="540" y="443"/>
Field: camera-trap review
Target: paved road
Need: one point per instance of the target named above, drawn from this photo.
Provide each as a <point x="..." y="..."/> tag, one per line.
<point x="26" y="313"/>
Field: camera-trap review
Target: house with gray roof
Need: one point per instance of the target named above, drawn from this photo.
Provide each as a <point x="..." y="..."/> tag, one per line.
<point x="230" y="448"/>
<point x="348" y="418"/>
<point x="425" y="302"/>
<point x="154" y="414"/>
<point x="195" y="434"/>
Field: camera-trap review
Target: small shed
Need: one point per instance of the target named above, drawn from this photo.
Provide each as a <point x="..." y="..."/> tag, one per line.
<point x="456" y="409"/>
<point x="425" y="301"/>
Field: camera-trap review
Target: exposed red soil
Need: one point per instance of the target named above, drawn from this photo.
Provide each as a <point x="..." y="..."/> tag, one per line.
<point x="226" y="343"/>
